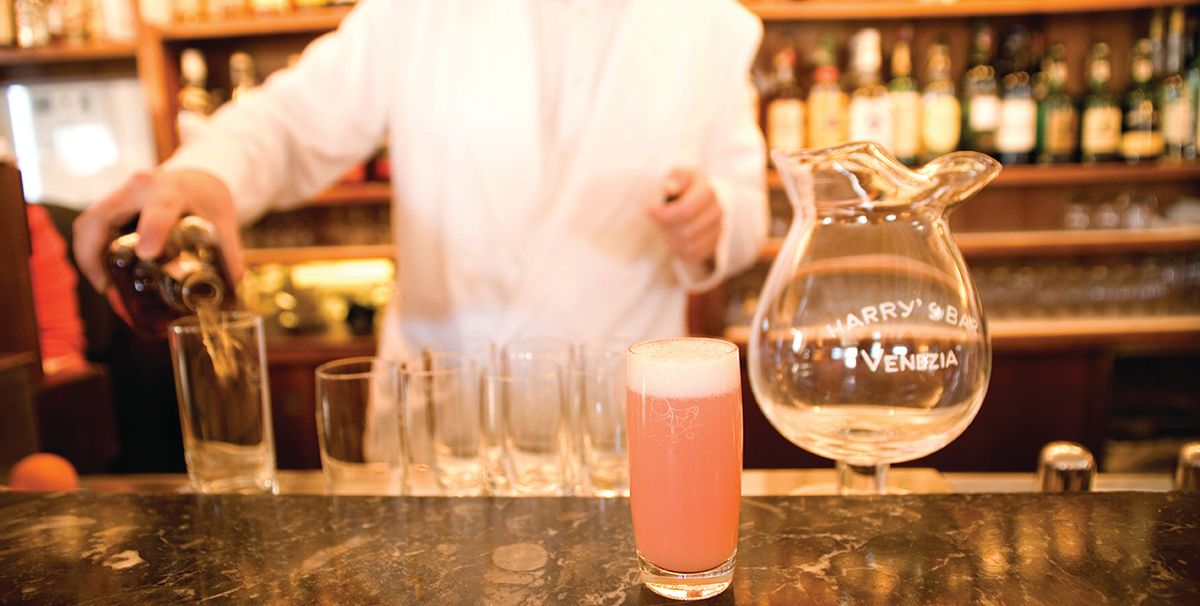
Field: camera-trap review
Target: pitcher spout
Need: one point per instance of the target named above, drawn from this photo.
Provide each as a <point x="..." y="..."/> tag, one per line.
<point x="958" y="176"/>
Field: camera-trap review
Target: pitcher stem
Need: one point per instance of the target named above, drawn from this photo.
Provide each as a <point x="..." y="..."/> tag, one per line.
<point x="862" y="479"/>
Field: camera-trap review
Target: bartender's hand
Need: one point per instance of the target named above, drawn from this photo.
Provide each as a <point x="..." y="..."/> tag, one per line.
<point x="162" y="197"/>
<point x="691" y="220"/>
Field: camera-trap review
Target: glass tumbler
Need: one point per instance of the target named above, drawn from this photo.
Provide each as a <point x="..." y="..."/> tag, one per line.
<point x="358" y="427"/>
<point x="224" y="402"/>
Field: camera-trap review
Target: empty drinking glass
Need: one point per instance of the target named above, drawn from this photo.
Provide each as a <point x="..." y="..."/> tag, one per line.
<point x="599" y="436"/>
<point x="358" y="427"/>
<point x="454" y="419"/>
<point x="531" y="403"/>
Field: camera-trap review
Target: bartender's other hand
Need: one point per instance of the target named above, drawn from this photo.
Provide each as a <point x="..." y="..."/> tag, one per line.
<point x="162" y="197"/>
<point x="691" y="220"/>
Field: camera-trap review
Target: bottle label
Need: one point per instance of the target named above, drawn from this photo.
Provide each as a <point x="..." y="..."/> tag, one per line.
<point x="1060" y="130"/>
<point x="984" y="113"/>
<point x="1177" y="121"/>
<point x="1101" y="130"/>
<point x="1141" y="144"/>
<point x="871" y="120"/>
<point x="942" y="124"/>
<point x="827" y="119"/>
<point x="906" y="134"/>
<point x="1016" y="132"/>
<point x="785" y="124"/>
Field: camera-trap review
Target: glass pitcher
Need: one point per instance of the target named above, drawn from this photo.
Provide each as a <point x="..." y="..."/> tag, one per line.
<point x="869" y="344"/>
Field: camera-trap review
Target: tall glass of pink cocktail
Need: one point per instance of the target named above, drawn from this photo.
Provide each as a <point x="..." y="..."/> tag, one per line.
<point x="685" y="463"/>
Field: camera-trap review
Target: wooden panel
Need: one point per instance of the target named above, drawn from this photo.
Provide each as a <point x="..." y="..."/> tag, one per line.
<point x="815" y="10"/>
<point x="18" y="425"/>
<point x="18" y="331"/>
<point x="103" y="51"/>
<point x="1075" y="333"/>
<point x="1079" y="174"/>
<point x="1058" y="242"/>
<point x="355" y="193"/>
<point x="303" y="21"/>
<point x="1031" y="400"/>
<point x="263" y="256"/>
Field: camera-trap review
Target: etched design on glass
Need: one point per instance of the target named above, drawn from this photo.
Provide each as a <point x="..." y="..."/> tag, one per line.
<point x="680" y="422"/>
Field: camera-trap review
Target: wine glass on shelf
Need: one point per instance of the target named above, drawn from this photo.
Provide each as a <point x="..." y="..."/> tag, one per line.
<point x="869" y="344"/>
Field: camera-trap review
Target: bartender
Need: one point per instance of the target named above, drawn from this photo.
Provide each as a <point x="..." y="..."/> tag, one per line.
<point x="566" y="168"/>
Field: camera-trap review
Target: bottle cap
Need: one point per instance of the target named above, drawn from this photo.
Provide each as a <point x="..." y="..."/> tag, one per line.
<point x="1187" y="469"/>
<point x="1065" y="467"/>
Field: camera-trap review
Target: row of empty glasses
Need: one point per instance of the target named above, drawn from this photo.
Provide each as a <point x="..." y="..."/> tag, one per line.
<point x="534" y="417"/>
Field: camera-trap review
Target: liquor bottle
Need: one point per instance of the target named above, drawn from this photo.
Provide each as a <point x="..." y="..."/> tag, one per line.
<point x="195" y="104"/>
<point x="941" y="112"/>
<point x="1037" y="61"/>
<point x="241" y="75"/>
<point x="189" y="275"/>
<point x="827" y="104"/>
<point x="1157" y="54"/>
<point x="1175" y="98"/>
<point x="870" y="103"/>
<point x="980" y="101"/>
<point x="1016" y="135"/>
<point x="1141" y="139"/>
<point x="906" y="103"/>
<point x="33" y="27"/>
<point x="1057" y="120"/>
<point x="1193" y="84"/>
<point x="8" y="32"/>
<point x="1100" y="136"/>
<point x="785" y="105"/>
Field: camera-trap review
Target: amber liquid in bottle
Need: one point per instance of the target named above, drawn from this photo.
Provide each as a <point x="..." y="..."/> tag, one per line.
<point x="189" y="277"/>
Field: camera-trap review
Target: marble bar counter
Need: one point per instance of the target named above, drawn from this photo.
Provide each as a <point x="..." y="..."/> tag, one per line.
<point x="96" y="548"/>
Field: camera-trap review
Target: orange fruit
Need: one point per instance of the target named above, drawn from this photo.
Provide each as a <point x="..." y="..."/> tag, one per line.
<point x="43" y="472"/>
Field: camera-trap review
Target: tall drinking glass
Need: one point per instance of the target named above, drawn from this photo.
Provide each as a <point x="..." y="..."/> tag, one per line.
<point x="224" y="402"/>
<point x="530" y="401"/>
<point x="600" y="428"/>
<point x="358" y="427"/>
<point x="454" y="423"/>
<point x="685" y="463"/>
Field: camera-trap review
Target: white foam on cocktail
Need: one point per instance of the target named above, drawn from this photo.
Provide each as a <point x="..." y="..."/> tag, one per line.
<point x="683" y="368"/>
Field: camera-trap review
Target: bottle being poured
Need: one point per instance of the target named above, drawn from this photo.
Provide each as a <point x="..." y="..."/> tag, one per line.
<point x="189" y="277"/>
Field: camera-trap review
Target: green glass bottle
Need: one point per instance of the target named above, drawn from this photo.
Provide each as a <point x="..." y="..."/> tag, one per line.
<point x="1016" y="135"/>
<point x="1193" y="84"/>
<point x="1057" y="120"/>
<point x="941" y="112"/>
<point x="980" y="99"/>
<point x="1100" y="134"/>
<point x="1174" y="97"/>
<point x="1141" y="138"/>
<point x="906" y="103"/>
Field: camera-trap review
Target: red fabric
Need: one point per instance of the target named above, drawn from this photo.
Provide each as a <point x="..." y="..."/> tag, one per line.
<point x="54" y="300"/>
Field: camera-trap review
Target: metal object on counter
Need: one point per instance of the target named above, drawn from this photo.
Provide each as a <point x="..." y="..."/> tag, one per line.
<point x="1187" y="469"/>
<point x="1065" y="467"/>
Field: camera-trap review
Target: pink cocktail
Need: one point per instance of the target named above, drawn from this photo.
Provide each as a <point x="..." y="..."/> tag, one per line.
<point x="685" y="463"/>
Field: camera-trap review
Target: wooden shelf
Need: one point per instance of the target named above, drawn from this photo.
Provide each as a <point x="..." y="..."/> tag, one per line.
<point x="100" y="51"/>
<point x="295" y="22"/>
<point x="354" y="193"/>
<point x="1073" y="332"/>
<point x="263" y="256"/>
<point x="1078" y="174"/>
<point x="1059" y="242"/>
<point x="833" y="10"/>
